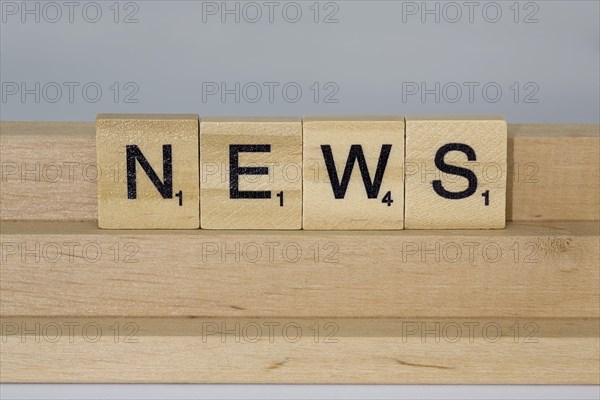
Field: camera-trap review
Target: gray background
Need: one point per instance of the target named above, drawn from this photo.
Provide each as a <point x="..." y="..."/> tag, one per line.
<point x="536" y="61"/>
<point x="422" y="392"/>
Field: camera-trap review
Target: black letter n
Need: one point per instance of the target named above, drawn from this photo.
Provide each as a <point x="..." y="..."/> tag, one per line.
<point x="165" y="188"/>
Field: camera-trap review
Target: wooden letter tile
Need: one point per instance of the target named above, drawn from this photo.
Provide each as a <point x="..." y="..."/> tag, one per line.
<point x="353" y="172"/>
<point x="455" y="172"/>
<point x="251" y="173"/>
<point x="148" y="171"/>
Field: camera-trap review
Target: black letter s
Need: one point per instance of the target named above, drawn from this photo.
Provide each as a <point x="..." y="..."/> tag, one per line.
<point x="454" y="170"/>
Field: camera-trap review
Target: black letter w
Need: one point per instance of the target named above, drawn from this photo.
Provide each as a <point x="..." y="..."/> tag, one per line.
<point x="356" y="154"/>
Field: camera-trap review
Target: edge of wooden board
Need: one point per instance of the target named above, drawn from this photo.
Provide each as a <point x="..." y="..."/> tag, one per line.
<point x="296" y="350"/>
<point x="89" y="128"/>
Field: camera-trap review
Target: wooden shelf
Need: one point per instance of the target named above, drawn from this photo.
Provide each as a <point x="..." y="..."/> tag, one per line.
<point x="80" y="304"/>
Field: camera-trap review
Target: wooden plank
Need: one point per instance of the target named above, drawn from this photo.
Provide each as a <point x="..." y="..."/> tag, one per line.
<point x="531" y="270"/>
<point x="555" y="170"/>
<point x="289" y="350"/>
<point x="49" y="172"/>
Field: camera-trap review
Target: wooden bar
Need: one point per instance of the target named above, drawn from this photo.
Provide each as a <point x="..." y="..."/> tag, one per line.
<point x="548" y="269"/>
<point x="49" y="172"/>
<point x="294" y="350"/>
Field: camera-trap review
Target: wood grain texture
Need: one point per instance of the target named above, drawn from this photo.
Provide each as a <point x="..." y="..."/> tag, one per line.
<point x="381" y="141"/>
<point x="515" y="306"/>
<point x="272" y="148"/>
<point x="75" y="269"/>
<point x="49" y="172"/>
<point x="554" y="172"/>
<point x="436" y="196"/>
<point x="295" y="350"/>
<point x="163" y="143"/>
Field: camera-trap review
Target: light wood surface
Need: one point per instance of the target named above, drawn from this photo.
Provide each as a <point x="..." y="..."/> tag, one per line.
<point x="81" y="304"/>
<point x="456" y="172"/>
<point x="272" y="148"/>
<point x="332" y="202"/>
<point x="294" y="350"/>
<point x="168" y="147"/>
<point x="49" y="172"/>
<point x="75" y="269"/>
